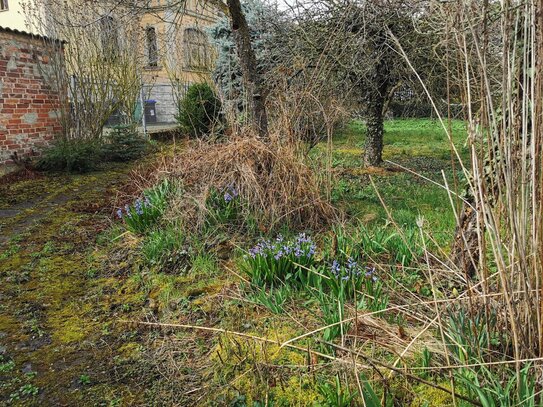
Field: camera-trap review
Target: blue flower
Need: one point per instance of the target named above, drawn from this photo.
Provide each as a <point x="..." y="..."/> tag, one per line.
<point x="139" y="207"/>
<point x="120" y="213"/>
<point x="302" y="238"/>
<point x="230" y="193"/>
<point x="255" y="251"/>
<point x="370" y="273"/>
<point x="335" y="268"/>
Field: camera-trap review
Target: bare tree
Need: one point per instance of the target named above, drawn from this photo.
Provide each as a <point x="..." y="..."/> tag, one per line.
<point x="252" y="79"/>
<point x="354" y="39"/>
<point x="100" y="70"/>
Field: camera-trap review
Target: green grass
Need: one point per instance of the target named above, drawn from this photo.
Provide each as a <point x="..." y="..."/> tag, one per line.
<point x="162" y="246"/>
<point x="422" y="137"/>
<point x="418" y="144"/>
<point x="409" y="133"/>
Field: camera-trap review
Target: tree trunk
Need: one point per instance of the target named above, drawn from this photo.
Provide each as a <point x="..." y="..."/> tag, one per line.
<point x="257" y="97"/>
<point x="373" y="155"/>
<point x="374" y="133"/>
<point x="465" y="247"/>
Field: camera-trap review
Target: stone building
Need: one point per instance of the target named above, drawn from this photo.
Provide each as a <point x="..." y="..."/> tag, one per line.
<point x="29" y="107"/>
<point x="177" y="52"/>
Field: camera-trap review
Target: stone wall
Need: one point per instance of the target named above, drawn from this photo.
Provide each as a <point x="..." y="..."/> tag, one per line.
<point x="29" y="107"/>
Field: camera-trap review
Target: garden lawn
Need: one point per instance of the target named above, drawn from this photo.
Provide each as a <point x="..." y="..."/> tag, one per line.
<point x="418" y="145"/>
<point x="62" y="297"/>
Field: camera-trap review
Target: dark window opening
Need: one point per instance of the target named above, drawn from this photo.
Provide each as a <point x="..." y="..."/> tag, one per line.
<point x="195" y="49"/>
<point x="152" y="46"/>
<point x="109" y="36"/>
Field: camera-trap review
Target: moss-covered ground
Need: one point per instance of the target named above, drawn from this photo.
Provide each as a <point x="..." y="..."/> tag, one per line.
<point x="60" y="340"/>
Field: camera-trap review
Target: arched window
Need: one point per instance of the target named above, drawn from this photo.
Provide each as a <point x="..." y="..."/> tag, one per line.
<point x="109" y="36"/>
<point x="152" y="46"/>
<point x="195" y="49"/>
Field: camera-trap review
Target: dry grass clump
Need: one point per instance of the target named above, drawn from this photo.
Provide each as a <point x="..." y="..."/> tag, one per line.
<point x="145" y="176"/>
<point x="272" y="180"/>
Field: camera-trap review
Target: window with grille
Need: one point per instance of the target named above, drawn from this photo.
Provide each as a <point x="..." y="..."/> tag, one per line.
<point x="3" y="5"/>
<point x="152" y="46"/>
<point x="195" y="49"/>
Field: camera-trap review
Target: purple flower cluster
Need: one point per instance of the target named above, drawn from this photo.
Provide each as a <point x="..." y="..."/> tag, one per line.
<point x="301" y="247"/>
<point x="370" y="273"/>
<point x="139" y="205"/>
<point x="230" y="193"/>
<point x="351" y="270"/>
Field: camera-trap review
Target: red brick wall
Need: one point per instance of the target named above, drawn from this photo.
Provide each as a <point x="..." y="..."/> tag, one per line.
<point x="29" y="107"/>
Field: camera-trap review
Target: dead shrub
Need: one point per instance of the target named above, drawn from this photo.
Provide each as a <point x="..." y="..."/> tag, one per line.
<point x="272" y="180"/>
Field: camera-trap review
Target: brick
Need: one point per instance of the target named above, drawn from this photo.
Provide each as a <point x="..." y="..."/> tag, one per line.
<point x="26" y="100"/>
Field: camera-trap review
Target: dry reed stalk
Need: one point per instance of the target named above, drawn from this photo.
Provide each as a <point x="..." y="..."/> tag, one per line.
<point x="504" y="114"/>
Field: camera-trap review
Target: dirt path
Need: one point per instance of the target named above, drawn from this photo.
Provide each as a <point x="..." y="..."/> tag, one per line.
<point x="60" y="342"/>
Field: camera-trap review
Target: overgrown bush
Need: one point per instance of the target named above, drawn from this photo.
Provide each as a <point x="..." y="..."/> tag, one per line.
<point x="124" y="143"/>
<point x="199" y="111"/>
<point x="77" y="155"/>
<point x="70" y="155"/>
<point x="275" y="186"/>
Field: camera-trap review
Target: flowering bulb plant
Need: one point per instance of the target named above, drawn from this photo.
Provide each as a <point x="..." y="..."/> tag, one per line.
<point x="146" y="210"/>
<point x="352" y="280"/>
<point x="347" y="278"/>
<point x="230" y="194"/>
<point x="223" y="205"/>
<point x="281" y="259"/>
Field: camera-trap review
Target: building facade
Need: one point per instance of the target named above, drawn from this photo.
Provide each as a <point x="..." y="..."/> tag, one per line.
<point x="12" y="15"/>
<point x="17" y="15"/>
<point x="176" y="52"/>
